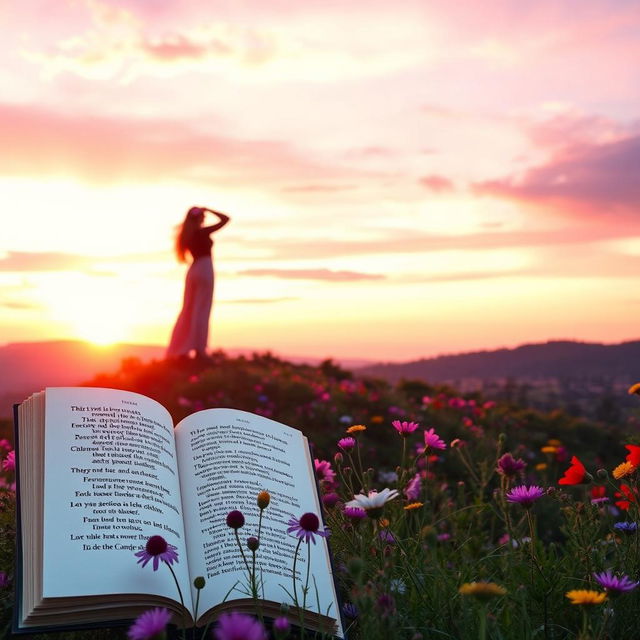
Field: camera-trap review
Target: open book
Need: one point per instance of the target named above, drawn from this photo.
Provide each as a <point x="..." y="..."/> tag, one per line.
<point x="102" y="470"/>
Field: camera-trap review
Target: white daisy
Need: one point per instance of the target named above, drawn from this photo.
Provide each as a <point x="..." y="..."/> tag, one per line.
<point x="374" y="501"/>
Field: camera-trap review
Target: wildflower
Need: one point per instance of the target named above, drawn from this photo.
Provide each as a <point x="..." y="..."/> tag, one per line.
<point x="347" y="444"/>
<point x="414" y="488"/>
<point x="281" y="627"/>
<point x="413" y="505"/>
<point x="598" y="494"/>
<point x="386" y="604"/>
<point x="575" y="474"/>
<point x="629" y="495"/>
<point x="253" y="543"/>
<point x="634" y="454"/>
<point x="432" y="439"/>
<point x="482" y="590"/>
<point x="356" y="428"/>
<point x="355" y="514"/>
<point x="199" y="582"/>
<point x="373" y="502"/>
<point x="5" y="581"/>
<point x="524" y="495"/>
<point x="387" y="536"/>
<point x="239" y="626"/>
<point x="307" y="527"/>
<point x="235" y="519"/>
<point x="549" y="449"/>
<point x="158" y="549"/>
<point x="586" y="596"/>
<point x="626" y="527"/>
<point x="509" y="466"/>
<point x="264" y="498"/>
<point x="443" y="537"/>
<point x="635" y="388"/>
<point x="324" y="472"/>
<point x="150" y="624"/>
<point x="405" y="428"/>
<point x="541" y="466"/>
<point x="9" y="463"/>
<point x="615" y="585"/>
<point x="350" y="611"/>
<point x="623" y="470"/>
<point x="330" y="499"/>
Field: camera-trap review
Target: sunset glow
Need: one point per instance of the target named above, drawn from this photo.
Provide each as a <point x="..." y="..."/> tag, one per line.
<point x="403" y="180"/>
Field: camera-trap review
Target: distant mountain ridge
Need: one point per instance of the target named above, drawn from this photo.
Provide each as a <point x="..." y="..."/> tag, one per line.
<point x="553" y="359"/>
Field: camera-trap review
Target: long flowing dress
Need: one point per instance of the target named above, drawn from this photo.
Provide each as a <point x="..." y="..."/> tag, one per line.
<point x="191" y="331"/>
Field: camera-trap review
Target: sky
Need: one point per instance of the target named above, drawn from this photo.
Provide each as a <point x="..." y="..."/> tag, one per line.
<point x="404" y="179"/>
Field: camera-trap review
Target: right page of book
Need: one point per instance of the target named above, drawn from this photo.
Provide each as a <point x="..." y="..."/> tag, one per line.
<point x="226" y="458"/>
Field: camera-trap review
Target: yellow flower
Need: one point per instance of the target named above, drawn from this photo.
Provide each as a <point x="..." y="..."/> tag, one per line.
<point x="623" y="470"/>
<point x="541" y="466"/>
<point x="413" y="505"/>
<point x="549" y="449"/>
<point x="356" y="428"/>
<point x="635" y="388"/>
<point x="554" y="442"/>
<point x="482" y="590"/>
<point x="586" y="596"/>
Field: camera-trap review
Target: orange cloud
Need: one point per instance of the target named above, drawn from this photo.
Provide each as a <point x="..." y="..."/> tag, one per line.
<point x="313" y="274"/>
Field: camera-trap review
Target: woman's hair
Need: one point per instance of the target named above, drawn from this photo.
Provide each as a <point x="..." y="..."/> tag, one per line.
<point x="185" y="231"/>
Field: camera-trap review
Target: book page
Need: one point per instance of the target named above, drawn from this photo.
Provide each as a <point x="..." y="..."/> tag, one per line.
<point x="111" y="482"/>
<point x="226" y="457"/>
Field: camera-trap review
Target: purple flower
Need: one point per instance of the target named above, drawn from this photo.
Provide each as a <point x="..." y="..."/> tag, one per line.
<point x="525" y="496"/>
<point x="387" y="536"/>
<point x="330" y="499"/>
<point x="307" y="527"/>
<point x="509" y="466"/>
<point x="405" y="428"/>
<point x="281" y="626"/>
<point x="432" y="439"/>
<point x="158" y="549"/>
<point x="150" y="624"/>
<point x="239" y="626"/>
<point x="5" y="581"/>
<point x="235" y="519"/>
<point x="626" y="527"/>
<point x="347" y="444"/>
<point x="350" y="610"/>
<point x="413" y="489"/>
<point x="355" y="514"/>
<point x="615" y="585"/>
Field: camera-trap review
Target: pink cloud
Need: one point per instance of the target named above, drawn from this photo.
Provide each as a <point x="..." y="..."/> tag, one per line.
<point x="313" y="274"/>
<point x="437" y="183"/>
<point x="599" y="179"/>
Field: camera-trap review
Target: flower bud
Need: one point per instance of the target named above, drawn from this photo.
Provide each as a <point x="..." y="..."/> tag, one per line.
<point x="603" y="474"/>
<point x="253" y="543"/>
<point x="199" y="582"/>
<point x="264" y="499"/>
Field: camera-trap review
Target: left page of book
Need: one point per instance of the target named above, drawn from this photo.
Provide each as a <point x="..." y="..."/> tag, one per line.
<point x="110" y="482"/>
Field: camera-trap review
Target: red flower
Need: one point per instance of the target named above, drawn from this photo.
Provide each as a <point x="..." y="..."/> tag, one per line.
<point x="629" y="495"/>
<point x="634" y="454"/>
<point x="575" y="474"/>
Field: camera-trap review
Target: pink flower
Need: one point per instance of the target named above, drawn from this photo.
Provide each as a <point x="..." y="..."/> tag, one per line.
<point x="347" y="444"/>
<point x="432" y="439"/>
<point x="150" y="624"/>
<point x="405" y="428"/>
<point x="157" y="549"/>
<point x="9" y="463"/>
<point x="239" y="626"/>
<point x="413" y="488"/>
<point x="324" y="472"/>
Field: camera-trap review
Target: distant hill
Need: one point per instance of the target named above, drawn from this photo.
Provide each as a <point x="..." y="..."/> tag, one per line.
<point x="553" y="359"/>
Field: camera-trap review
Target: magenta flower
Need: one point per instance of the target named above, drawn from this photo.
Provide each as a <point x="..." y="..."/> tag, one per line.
<point x="281" y="626"/>
<point x="324" y="472"/>
<point x="405" y="428"/>
<point x="235" y="519"/>
<point x="525" y="496"/>
<point x="355" y="514"/>
<point x="615" y="585"/>
<point x="509" y="466"/>
<point x="239" y="626"/>
<point x="414" y="488"/>
<point x="158" y="549"/>
<point x="9" y="463"/>
<point x="307" y="527"/>
<point x="150" y="624"/>
<point x="347" y="444"/>
<point x="432" y="439"/>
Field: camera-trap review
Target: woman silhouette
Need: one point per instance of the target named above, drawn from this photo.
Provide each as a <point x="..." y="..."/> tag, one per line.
<point x="191" y="330"/>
